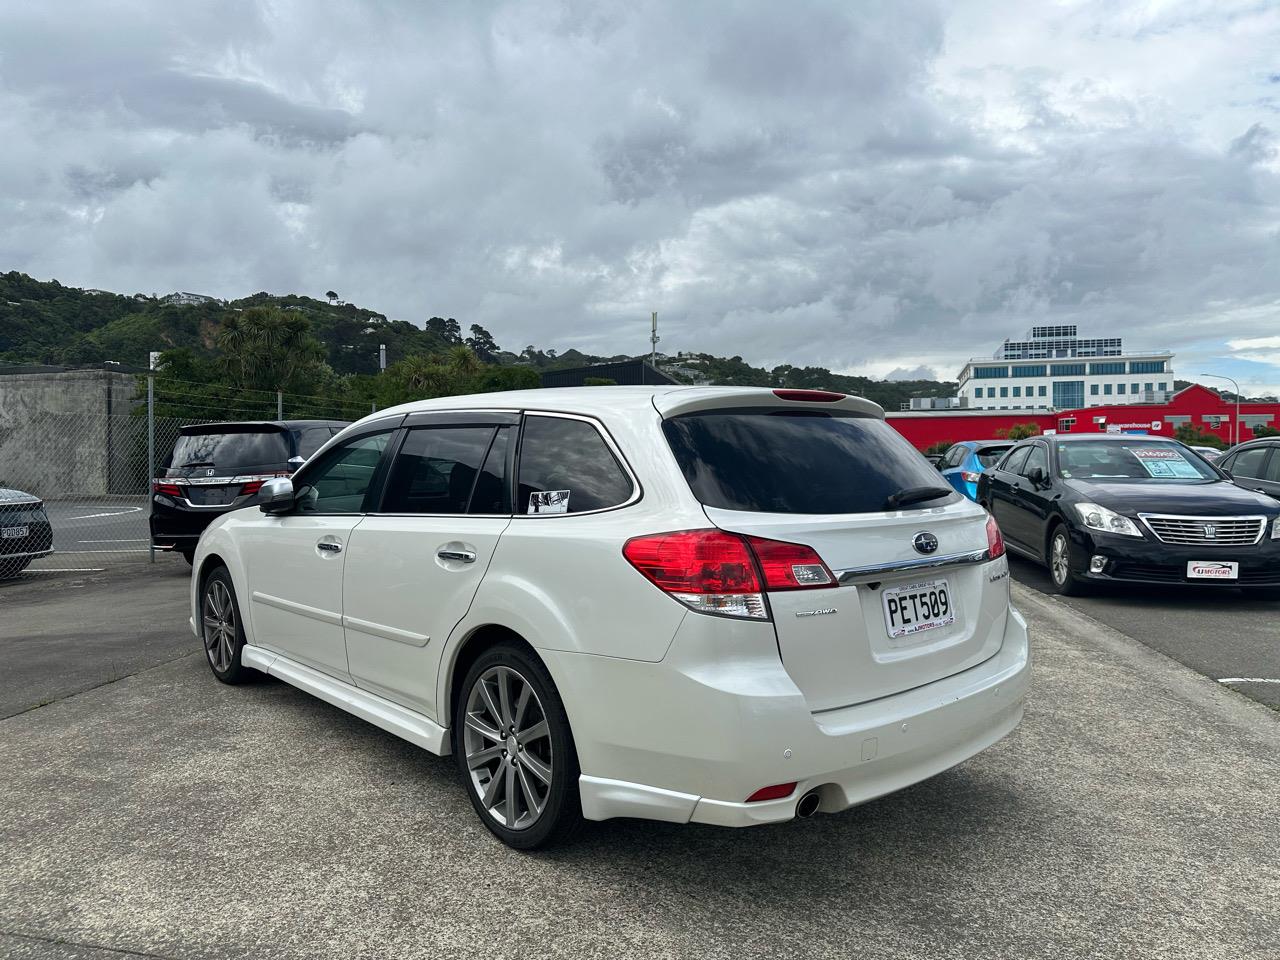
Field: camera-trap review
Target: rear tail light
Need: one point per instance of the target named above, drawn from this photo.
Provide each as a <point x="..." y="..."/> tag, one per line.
<point x="995" y="539"/>
<point x="969" y="476"/>
<point x="809" y="396"/>
<point x="724" y="573"/>
<point x="775" y="792"/>
<point x="252" y="487"/>
<point x="168" y="489"/>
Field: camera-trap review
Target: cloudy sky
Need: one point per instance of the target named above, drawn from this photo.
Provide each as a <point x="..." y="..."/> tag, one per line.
<point x="873" y="187"/>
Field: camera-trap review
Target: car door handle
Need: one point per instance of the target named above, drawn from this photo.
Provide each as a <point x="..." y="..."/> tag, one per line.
<point x="328" y="546"/>
<point x="462" y="556"/>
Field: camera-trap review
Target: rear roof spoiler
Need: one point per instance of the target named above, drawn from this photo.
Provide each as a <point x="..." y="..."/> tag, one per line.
<point x="697" y="399"/>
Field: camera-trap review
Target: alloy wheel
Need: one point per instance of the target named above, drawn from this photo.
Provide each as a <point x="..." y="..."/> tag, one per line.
<point x="1058" y="558"/>
<point x="507" y="741"/>
<point x="219" y="613"/>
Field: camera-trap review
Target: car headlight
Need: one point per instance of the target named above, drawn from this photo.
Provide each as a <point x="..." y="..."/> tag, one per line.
<point x="1106" y="521"/>
<point x="1275" y="529"/>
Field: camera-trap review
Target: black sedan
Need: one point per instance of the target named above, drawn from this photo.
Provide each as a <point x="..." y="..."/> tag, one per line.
<point x="25" y="532"/>
<point x="1101" y="508"/>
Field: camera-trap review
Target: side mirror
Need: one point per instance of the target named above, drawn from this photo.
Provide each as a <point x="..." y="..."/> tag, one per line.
<point x="295" y="462"/>
<point x="277" y="495"/>
<point x="1038" y="477"/>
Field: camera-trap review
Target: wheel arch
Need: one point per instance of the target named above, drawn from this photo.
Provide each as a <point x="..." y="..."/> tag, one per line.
<point x="466" y="652"/>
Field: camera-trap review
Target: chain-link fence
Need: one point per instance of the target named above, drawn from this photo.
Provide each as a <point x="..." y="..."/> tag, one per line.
<point x="85" y="457"/>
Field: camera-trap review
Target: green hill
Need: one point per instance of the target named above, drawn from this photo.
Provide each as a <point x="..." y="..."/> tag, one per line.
<point x="44" y="322"/>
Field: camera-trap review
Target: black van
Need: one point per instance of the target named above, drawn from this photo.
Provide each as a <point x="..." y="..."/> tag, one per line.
<point x="216" y="467"/>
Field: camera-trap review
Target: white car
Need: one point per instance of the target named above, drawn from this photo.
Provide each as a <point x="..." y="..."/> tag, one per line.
<point x="716" y="605"/>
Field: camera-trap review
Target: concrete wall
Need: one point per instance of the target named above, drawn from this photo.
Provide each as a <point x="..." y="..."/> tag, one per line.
<point x="70" y="434"/>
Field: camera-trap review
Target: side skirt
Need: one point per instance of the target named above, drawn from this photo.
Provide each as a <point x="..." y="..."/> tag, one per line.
<point x="392" y="717"/>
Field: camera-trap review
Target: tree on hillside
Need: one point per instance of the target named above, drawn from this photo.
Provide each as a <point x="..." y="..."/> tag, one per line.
<point x="482" y="343"/>
<point x="447" y="330"/>
<point x="268" y="349"/>
<point x="331" y="296"/>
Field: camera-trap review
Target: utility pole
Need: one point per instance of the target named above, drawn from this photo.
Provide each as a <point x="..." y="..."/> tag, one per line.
<point x="1235" y="427"/>
<point x="653" y="341"/>
<point x="279" y="405"/>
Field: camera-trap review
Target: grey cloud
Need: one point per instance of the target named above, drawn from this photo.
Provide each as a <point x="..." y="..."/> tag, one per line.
<point x="812" y="183"/>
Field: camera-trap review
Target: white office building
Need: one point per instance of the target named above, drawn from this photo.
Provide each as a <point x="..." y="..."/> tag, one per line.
<point x="1055" y="369"/>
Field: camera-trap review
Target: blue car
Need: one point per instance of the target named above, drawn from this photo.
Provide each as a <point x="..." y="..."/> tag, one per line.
<point x="964" y="462"/>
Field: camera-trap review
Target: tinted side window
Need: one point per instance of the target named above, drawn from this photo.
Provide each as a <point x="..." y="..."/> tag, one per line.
<point x="311" y="439"/>
<point x="1248" y="463"/>
<point x="436" y="469"/>
<point x="1272" y="470"/>
<point x="338" y="483"/>
<point x="1038" y="457"/>
<point x="569" y="461"/>
<point x="1014" y="461"/>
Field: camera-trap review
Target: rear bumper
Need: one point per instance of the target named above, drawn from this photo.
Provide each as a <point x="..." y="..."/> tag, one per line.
<point x="739" y="741"/>
<point x="176" y="527"/>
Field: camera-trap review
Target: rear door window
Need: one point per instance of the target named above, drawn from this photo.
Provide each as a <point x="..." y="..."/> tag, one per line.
<point x="767" y="460"/>
<point x="567" y="467"/>
<point x="1248" y="463"/>
<point x="436" y="469"/>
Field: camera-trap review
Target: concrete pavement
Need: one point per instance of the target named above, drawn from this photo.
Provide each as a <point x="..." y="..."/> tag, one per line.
<point x="1132" y="815"/>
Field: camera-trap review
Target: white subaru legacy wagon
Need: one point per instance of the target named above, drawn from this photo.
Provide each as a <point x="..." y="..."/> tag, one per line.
<point x="716" y="605"/>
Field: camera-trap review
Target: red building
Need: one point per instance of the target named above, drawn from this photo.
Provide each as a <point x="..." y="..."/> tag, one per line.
<point x="1195" y="405"/>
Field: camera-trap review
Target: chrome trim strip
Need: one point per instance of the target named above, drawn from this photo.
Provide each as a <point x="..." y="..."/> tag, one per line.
<point x="880" y="570"/>
<point x="385" y="632"/>
<point x="1260" y="518"/>
<point x="35" y="554"/>
<point x="301" y="609"/>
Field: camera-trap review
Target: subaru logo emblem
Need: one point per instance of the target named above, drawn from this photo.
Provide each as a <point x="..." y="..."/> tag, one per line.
<point x="924" y="542"/>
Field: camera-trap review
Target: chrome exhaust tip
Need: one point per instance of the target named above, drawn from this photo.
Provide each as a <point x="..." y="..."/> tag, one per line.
<point x="808" y="805"/>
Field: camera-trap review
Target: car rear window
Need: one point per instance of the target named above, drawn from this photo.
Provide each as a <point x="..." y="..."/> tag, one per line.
<point x="782" y="461"/>
<point x="987" y="456"/>
<point x="229" y="453"/>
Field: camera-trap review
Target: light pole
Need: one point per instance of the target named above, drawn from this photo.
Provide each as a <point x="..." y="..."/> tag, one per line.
<point x="1235" y="429"/>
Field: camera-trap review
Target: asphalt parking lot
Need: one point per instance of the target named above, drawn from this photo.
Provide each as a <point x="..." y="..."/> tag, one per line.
<point x="165" y="815"/>
<point x="1219" y="633"/>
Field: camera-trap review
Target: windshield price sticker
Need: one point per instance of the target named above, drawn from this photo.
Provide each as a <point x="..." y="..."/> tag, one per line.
<point x="1168" y="463"/>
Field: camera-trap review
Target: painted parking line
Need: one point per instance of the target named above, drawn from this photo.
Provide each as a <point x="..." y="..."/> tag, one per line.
<point x="113" y="513"/>
<point x="66" y="570"/>
<point x="1248" y="680"/>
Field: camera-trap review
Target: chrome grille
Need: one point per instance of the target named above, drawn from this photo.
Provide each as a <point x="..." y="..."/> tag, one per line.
<point x="1206" y="531"/>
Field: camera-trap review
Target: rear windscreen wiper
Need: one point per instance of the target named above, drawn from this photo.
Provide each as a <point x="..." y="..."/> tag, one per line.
<point x="196" y="463"/>
<point x="914" y="495"/>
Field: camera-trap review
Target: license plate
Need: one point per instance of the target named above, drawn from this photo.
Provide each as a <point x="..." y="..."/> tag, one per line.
<point x="1213" y="570"/>
<point x="14" y="533"/>
<point x="916" y="607"/>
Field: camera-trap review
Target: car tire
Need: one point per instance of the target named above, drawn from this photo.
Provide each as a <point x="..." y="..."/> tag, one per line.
<point x="515" y="750"/>
<point x="1061" y="563"/>
<point x="221" y="628"/>
<point x="189" y="556"/>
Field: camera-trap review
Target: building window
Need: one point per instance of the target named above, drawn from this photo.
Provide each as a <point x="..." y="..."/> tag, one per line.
<point x="1147" y="387"/>
<point x="1105" y="369"/>
<point x="1004" y="391"/>
<point x="1146" y="366"/>
<point x="1035" y="370"/>
<point x="1066" y="424"/>
<point x="990" y="373"/>
<point x="1017" y="391"/>
<point x="1163" y="386"/>
<point x="1068" y="394"/>
<point x="1066" y="369"/>
<point x="1106" y="388"/>
<point x="1043" y="392"/>
<point x="1093" y="389"/>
